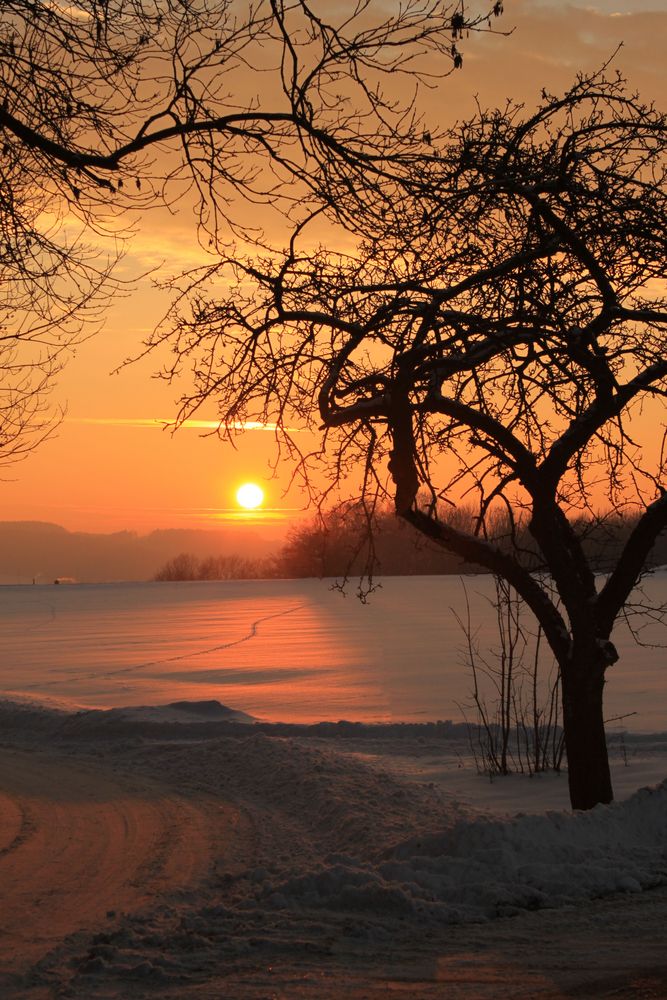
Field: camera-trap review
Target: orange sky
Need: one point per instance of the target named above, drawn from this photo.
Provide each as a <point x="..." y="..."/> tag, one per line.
<point x="111" y="467"/>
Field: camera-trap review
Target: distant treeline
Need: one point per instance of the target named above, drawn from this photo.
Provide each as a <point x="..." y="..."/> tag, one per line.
<point x="340" y="543"/>
<point x="187" y="566"/>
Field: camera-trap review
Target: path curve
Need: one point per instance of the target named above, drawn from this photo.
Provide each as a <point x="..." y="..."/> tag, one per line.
<point x="78" y="841"/>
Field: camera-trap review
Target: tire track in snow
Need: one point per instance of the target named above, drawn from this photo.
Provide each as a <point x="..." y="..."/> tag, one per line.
<point x="100" y="674"/>
<point x="97" y="843"/>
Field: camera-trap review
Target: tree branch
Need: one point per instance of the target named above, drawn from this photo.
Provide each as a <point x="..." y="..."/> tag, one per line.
<point x="516" y="455"/>
<point x="584" y="427"/>
<point x="476" y="550"/>
<point x="618" y="587"/>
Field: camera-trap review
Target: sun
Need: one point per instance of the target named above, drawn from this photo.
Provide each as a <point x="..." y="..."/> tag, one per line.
<point x="250" y="496"/>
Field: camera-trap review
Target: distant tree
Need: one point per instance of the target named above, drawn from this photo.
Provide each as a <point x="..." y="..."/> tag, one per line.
<point x="182" y="567"/>
<point x="347" y="541"/>
<point x="329" y="544"/>
<point x="110" y="107"/>
<point x="233" y="567"/>
<point x="498" y="331"/>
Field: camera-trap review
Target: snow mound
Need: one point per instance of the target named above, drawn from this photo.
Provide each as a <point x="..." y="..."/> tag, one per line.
<point x="179" y="711"/>
<point x="329" y="800"/>
<point x="17" y="702"/>
<point x="367" y="842"/>
<point x="483" y="868"/>
<point x="26" y="718"/>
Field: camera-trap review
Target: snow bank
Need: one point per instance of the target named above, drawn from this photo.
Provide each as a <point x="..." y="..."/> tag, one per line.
<point x="483" y="868"/>
<point x="177" y="712"/>
<point x="327" y="800"/>
<point x="334" y="854"/>
<point x="367" y="895"/>
<point x="362" y="840"/>
<point x="336" y="833"/>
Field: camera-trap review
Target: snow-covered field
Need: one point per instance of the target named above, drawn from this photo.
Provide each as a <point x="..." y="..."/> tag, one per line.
<point x="181" y="852"/>
<point x="288" y="650"/>
<point x="154" y="843"/>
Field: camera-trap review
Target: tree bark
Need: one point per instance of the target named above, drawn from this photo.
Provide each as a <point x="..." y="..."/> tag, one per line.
<point x="585" y="739"/>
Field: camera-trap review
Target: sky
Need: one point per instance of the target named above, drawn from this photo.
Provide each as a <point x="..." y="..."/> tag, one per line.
<point x="112" y="464"/>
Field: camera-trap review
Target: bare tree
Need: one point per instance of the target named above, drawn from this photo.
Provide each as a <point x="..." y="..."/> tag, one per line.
<point x="56" y="254"/>
<point x="90" y="91"/>
<point x="498" y="332"/>
<point x="109" y="107"/>
<point x="51" y="295"/>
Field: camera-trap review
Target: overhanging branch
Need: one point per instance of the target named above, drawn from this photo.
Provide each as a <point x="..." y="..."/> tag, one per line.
<point x="585" y="426"/>
<point x="618" y="587"/>
<point x="483" y="553"/>
<point x="515" y="454"/>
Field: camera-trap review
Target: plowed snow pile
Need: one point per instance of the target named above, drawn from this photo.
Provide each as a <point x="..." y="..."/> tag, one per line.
<point x="324" y="850"/>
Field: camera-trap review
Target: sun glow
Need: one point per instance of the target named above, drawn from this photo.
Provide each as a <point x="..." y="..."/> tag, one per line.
<point x="250" y="496"/>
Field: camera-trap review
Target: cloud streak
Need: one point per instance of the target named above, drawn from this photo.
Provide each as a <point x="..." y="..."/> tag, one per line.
<point x="163" y="424"/>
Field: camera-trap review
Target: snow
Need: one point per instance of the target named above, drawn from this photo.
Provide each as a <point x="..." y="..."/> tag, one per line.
<point x="460" y="864"/>
<point x="211" y="853"/>
<point x="480" y="868"/>
<point x="282" y="650"/>
<point x="363" y="837"/>
<point x="369" y="834"/>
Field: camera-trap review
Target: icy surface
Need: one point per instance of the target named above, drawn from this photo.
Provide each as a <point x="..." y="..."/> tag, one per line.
<point x="283" y="650"/>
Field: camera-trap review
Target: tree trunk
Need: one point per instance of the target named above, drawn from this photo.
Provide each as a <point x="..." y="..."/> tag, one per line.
<point x="585" y="740"/>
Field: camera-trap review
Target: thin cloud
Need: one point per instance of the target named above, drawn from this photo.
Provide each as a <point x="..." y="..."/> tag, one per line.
<point x="162" y="424"/>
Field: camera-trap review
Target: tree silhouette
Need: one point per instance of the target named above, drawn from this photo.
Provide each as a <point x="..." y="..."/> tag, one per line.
<point x="110" y="107"/>
<point x="498" y="332"/>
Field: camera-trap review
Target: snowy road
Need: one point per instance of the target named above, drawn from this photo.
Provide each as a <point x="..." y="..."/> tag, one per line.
<point x="612" y="949"/>
<point x="79" y="845"/>
<point x="243" y="866"/>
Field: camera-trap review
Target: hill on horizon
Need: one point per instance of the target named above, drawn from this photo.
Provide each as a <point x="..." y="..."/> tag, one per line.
<point x="42" y="551"/>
